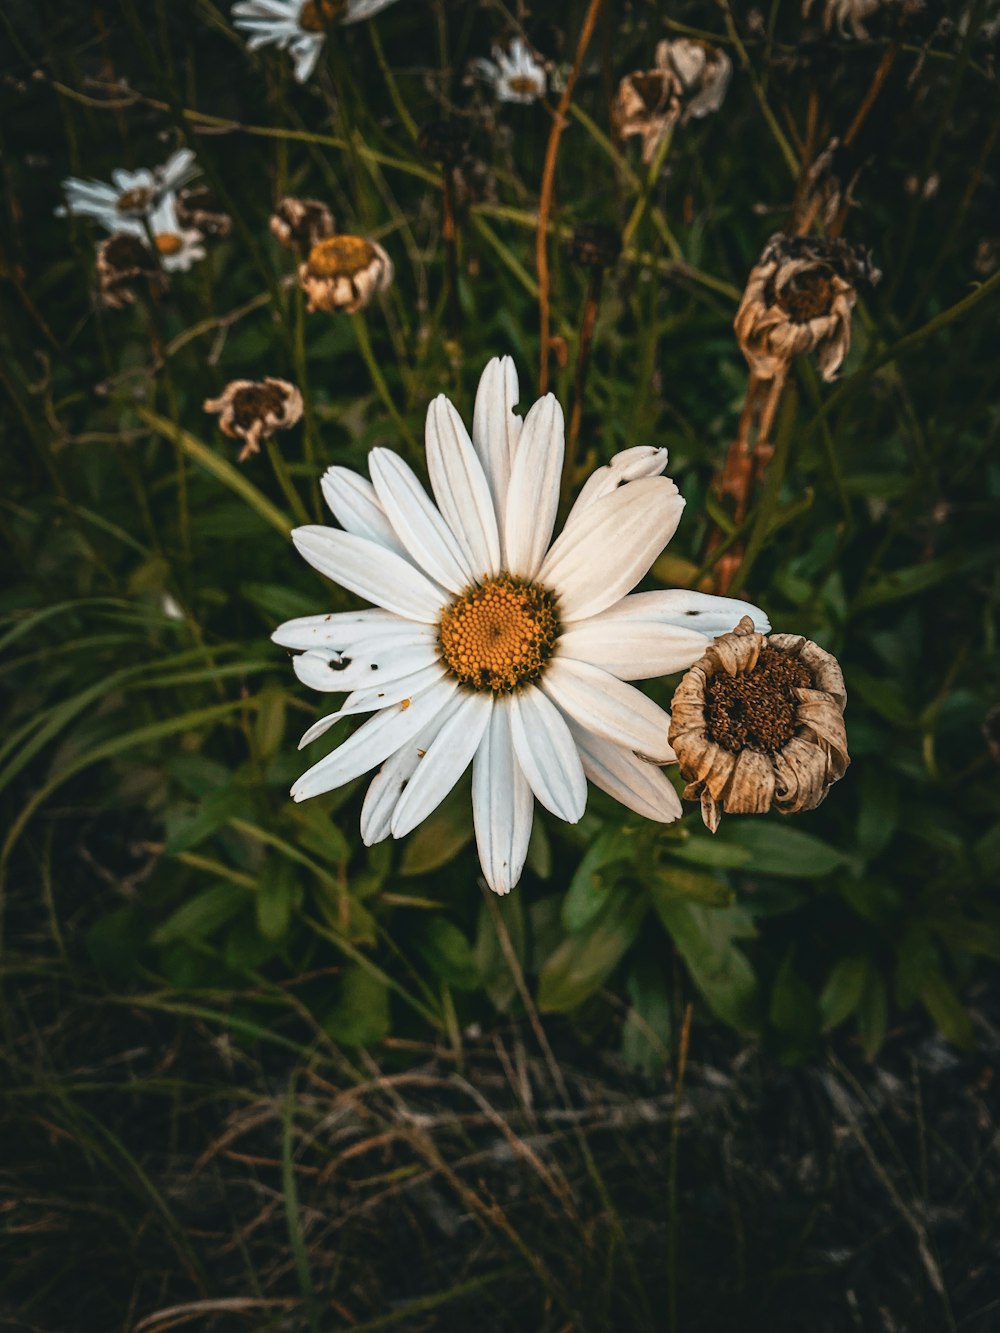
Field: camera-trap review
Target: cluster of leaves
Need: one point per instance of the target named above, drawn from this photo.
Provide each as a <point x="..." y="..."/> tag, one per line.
<point x="148" y="742"/>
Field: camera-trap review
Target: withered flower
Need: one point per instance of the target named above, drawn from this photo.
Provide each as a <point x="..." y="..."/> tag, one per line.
<point x="124" y="263"/>
<point x="703" y="71"/>
<point x="799" y="298"/>
<point x="299" y="224"/>
<point x="844" y="13"/>
<point x="344" y="273"/>
<point x="595" y="245"/>
<point x="251" y="411"/>
<point x="759" y="722"/>
<point x="200" y="209"/>
<point x="648" y="103"/>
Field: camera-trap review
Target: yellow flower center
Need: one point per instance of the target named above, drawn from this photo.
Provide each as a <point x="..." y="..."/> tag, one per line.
<point x="499" y="634"/>
<point x="340" y="256"/>
<point x="524" y="84"/>
<point x="168" y="243"/>
<point x="317" y="15"/>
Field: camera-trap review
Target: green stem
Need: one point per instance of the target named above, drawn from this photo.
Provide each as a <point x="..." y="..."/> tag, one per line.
<point x="378" y="379"/>
<point x="309" y="424"/>
<point x="768" y="503"/>
<point x="652" y="176"/>
<point x="390" y="82"/>
<point x="284" y="480"/>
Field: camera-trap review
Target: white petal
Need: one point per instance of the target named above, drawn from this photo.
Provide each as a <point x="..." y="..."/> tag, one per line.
<point x="638" y="784"/>
<point x="606" y="553"/>
<point x="502" y="804"/>
<point x="363" y="9"/>
<point x="419" y="526"/>
<point x="372" y="572"/>
<point x="533" y="497"/>
<point x="447" y="758"/>
<point x="608" y="707"/>
<point x="643" y="460"/>
<point x="547" y="754"/>
<point x="496" y="428"/>
<point x="460" y="487"/>
<point x="392" y="691"/>
<point x="390" y="781"/>
<point x="689" y="610"/>
<point x="355" y="506"/>
<point x="374" y="666"/>
<point x="631" y="649"/>
<point x="373" y="742"/>
<point x="305" y="52"/>
<point x="346" y="629"/>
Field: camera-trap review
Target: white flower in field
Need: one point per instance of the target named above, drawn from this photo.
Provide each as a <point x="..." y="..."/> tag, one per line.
<point x="177" y="247"/>
<point x="491" y="644"/>
<point x="299" y="26"/>
<point x="132" y="195"/>
<point x="516" y="75"/>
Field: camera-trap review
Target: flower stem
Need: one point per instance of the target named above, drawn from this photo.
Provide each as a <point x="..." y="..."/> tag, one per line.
<point x="378" y="379"/>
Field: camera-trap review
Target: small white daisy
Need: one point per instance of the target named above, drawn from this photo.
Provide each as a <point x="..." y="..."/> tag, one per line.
<point x="491" y="644"/>
<point x="299" y="26"/>
<point x="132" y="195"/>
<point x="516" y="75"/>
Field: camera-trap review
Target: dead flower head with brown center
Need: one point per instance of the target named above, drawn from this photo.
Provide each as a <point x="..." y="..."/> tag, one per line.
<point x="648" y="104"/>
<point x="344" y="273"/>
<point x="757" y="723"/>
<point x="126" y="264"/>
<point x="798" y="299"/>
<point x="252" y="411"/>
<point x="299" y="224"/>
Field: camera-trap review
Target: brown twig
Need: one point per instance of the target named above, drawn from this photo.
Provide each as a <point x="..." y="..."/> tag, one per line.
<point x="545" y="194"/>
<point x="587" y="326"/>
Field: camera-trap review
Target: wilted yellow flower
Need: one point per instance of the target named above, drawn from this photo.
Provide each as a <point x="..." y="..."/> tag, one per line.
<point x="251" y="411"/>
<point x="799" y="298"/>
<point x="759" y="722"/>
<point x="298" y="224"/>
<point x="344" y="273"/>
<point x="690" y="79"/>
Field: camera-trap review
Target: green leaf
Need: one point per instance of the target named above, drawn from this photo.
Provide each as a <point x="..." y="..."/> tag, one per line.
<point x="844" y="990"/>
<point x="278" y="892"/>
<point x="873" y="1014"/>
<point x="202" y="914"/>
<point x="594" y="879"/>
<point x="947" y="1011"/>
<point x="447" y="952"/>
<point x="361" y="1015"/>
<point x="269" y="727"/>
<point x="677" y="882"/>
<point x="585" y="959"/>
<point x="980" y="937"/>
<point x="776" y="849"/>
<point x="647" y="1030"/>
<point x="705" y="851"/>
<point x="188" y="824"/>
<point x="494" y="970"/>
<point x="441" y="836"/>
<point x="793" y="1008"/>
<point x="720" y="971"/>
<point x="878" y="796"/>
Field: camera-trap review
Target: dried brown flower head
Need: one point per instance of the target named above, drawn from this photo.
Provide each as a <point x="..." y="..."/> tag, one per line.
<point x="846" y="13"/>
<point x="703" y="71"/>
<point x="648" y="103"/>
<point x="251" y="411"/>
<point x="200" y="209"/>
<point x="799" y="298"/>
<point x="125" y="263"/>
<point x="759" y="722"/>
<point x="344" y="273"/>
<point x="299" y="224"/>
<point x="595" y="245"/>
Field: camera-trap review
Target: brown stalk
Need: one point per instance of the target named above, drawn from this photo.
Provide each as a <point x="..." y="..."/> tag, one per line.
<point x="587" y="326"/>
<point x="559" y="123"/>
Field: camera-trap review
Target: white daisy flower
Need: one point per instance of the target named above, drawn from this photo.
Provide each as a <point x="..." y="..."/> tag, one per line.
<point x="299" y="26"/>
<point x="131" y="195"/>
<point x="516" y="75"/>
<point x="490" y="644"/>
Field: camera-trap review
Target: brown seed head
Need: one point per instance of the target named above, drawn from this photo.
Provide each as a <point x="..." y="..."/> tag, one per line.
<point x="252" y="411"/>
<point x="199" y="209"/>
<point x="344" y="273"/>
<point x="298" y="224"/>
<point x="125" y="264"/>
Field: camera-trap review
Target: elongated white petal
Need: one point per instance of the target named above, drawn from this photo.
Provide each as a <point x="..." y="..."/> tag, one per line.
<point x="449" y="755"/>
<point x="390" y="692"/>
<point x="355" y="506"/>
<point x="502" y="804"/>
<point x="496" y="429"/>
<point x="363" y="9"/>
<point x="373" y="742"/>
<point x="608" y="707"/>
<point x="605" y="555"/>
<point x="688" y="610"/>
<point x="533" y="497"/>
<point x="390" y="781"/>
<point x="460" y="487"/>
<point x="373" y="667"/>
<point x="632" y="649"/>
<point x="372" y="572"/>
<point x="547" y="754"/>
<point x="419" y="526"/>
<point x="636" y="783"/>
<point x="341" y="631"/>
<point x="643" y="460"/>
<point x="306" y="52"/>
